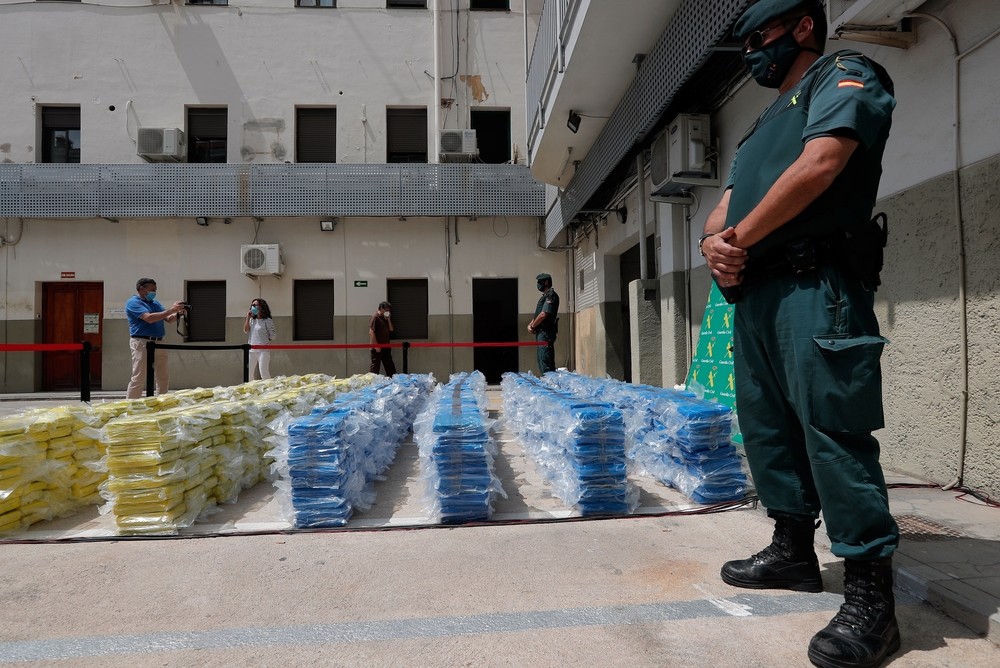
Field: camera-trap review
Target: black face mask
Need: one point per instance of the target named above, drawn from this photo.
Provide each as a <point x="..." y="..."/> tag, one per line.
<point x="769" y="65"/>
<point x="541" y="287"/>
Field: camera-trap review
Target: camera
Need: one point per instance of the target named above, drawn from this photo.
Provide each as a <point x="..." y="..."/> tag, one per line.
<point x="187" y="306"/>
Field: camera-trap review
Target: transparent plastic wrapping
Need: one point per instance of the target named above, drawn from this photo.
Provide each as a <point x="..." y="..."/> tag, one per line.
<point x="457" y="481"/>
<point x="578" y="444"/>
<point x="327" y="461"/>
<point x="672" y="435"/>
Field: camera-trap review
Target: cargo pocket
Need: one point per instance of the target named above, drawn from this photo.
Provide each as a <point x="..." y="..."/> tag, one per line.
<point x="846" y="383"/>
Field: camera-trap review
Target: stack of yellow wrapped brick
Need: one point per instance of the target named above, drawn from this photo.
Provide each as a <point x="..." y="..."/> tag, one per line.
<point x="55" y="461"/>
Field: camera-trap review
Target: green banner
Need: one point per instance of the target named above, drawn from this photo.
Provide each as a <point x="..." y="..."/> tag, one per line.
<point x="712" y="365"/>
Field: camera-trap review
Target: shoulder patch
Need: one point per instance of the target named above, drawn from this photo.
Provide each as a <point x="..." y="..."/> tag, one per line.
<point x="850" y="83"/>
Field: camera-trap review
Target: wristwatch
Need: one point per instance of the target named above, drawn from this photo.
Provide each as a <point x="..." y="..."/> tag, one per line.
<point x="701" y="242"/>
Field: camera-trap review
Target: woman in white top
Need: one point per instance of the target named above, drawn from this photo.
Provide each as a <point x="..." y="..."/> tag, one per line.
<point x="260" y="327"/>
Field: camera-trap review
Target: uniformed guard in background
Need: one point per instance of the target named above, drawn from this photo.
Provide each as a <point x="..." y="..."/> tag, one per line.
<point x="545" y="324"/>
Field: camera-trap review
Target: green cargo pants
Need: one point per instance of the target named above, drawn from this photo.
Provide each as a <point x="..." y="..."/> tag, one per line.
<point x="808" y="395"/>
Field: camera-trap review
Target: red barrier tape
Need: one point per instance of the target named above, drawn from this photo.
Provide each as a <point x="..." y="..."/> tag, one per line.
<point x="29" y="347"/>
<point x="327" y="346"/>
<point x="485" y="344"/>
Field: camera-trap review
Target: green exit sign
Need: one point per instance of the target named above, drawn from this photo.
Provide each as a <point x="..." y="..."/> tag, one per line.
<point x="361" y="284"/>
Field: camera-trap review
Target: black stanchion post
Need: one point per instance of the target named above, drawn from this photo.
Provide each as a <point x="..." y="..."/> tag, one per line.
<point x="406" y="356"/>
<point x="246" y="362"/>
<point x="150" y="359"/>
<point x="85" y="372"/>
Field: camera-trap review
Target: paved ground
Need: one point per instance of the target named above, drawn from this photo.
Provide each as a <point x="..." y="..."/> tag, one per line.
<point x="638" y="591"/>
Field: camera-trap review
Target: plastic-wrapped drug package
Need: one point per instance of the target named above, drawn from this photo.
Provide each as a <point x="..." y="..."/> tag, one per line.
<point x="682" y="441"/>
<point x="578" y="444"/>
<point x="331" y="458"/>
<point x="457" y="451"/>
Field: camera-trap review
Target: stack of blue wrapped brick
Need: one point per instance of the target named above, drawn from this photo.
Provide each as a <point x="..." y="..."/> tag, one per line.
<point x="577" y="444"/>
<point x="337" y="452"/>
<point x="673" y="436"/>
<point x="457" y="451"/>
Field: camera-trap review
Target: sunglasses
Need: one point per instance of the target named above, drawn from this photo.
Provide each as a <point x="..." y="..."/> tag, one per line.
<point x="756" y="39"/>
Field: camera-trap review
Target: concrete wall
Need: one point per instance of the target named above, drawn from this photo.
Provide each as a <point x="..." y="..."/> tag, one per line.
<point x="176" y="251"/>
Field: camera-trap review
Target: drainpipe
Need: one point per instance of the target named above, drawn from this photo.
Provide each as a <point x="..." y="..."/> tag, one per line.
<point x="435" y="93"/>
<point x="960" y="228"/>
<point x="640" y="170"/>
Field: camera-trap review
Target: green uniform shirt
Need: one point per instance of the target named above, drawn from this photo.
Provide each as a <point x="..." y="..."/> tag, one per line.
<point x="843" y="94"/>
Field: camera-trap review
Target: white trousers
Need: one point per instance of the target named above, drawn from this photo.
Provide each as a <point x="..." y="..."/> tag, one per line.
<point x="260" y="359"/>
<point x="161" y="372"/>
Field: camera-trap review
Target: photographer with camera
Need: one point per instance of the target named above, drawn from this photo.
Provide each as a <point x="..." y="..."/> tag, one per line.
<point x="259" y="325"/>
<point x="145" y="323"/>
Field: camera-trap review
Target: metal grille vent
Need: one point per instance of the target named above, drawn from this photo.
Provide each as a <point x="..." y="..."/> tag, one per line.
<point x="919" y="528"/>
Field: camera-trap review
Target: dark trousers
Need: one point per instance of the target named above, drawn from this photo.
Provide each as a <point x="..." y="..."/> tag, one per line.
<point x="546" y="353"/>
<point x="382" y="357"/>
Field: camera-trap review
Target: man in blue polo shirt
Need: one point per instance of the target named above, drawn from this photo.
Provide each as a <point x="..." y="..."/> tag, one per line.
<point x="145" y="323"/>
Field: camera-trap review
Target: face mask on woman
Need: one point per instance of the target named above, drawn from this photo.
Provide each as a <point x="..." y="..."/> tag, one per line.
<point x="253" y="310"/>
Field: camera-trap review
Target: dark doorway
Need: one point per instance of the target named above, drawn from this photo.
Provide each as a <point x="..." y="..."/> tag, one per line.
<point x="494" y="319"/>
<point x="629" y="270"/>
<point x="492" y="128"/>
<point x="71" y="313"/>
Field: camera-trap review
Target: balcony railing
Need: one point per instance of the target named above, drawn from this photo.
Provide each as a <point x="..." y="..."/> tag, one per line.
<point x="167" y="190"/>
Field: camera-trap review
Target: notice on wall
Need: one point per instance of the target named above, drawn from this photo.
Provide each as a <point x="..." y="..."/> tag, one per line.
<point x="712" y="365"/>
<point x="91" y="323"/>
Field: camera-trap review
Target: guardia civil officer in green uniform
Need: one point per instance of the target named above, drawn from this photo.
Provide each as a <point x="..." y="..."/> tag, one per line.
<point x="792" y="243"/>
<point x="545" y="324"/>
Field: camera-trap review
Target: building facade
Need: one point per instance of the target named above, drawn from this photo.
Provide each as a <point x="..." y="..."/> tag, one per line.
<point x="640" y="296"/>
<point x="361" y="150"/>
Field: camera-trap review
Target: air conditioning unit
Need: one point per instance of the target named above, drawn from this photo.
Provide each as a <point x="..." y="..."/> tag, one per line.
<point x="874" y="21"/>
<point x="261" y="259"/>
<point x="680" y="156"/>
<point x="160" y="144"/>
<point x="458" y="144"/>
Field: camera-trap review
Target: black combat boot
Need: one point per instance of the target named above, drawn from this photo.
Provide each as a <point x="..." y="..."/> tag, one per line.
<point x="789" y="562"/>
<point x="864" y="633"/>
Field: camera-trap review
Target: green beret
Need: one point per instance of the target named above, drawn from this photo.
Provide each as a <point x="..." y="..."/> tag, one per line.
<point x="543" y="277"/>
<point x="761" y="12"/>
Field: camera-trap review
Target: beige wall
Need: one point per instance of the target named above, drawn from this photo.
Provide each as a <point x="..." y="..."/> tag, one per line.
<point x="920" y="312"/>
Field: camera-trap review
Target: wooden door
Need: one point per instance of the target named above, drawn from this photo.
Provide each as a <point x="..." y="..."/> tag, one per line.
<point x="71" y="313"/>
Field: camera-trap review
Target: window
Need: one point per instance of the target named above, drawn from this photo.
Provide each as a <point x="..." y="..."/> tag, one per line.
<point x="492" y="128"/>
<point x="61" y="134"/>
<point x="316" y="3"/>
<point x="489" y="4"/>
<point x="408" y="297"/>
<point x="206" y="135"/>
<point x="316" y="135"/>
<point x="417" y="4"/>
<point x="206" y="320"/>
<point x="208" y="2"/>
<point x="313" y="303"/>
<point x="406" y="135"/>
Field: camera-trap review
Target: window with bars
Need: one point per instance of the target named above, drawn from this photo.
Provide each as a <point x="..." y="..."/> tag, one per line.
<point x="408" y="297"/>
<point x="207" y="132"/>
<point x="316" y="3"/>
<point x="206" y="319"/>
<point x="313" y="310"/>
<point x="61" y="134"/>
<point x="406" y="135"/>
<point x="316" y="134"/>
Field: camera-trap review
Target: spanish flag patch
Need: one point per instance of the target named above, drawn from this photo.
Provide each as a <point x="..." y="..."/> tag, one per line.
<point x="850" y="83"/>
